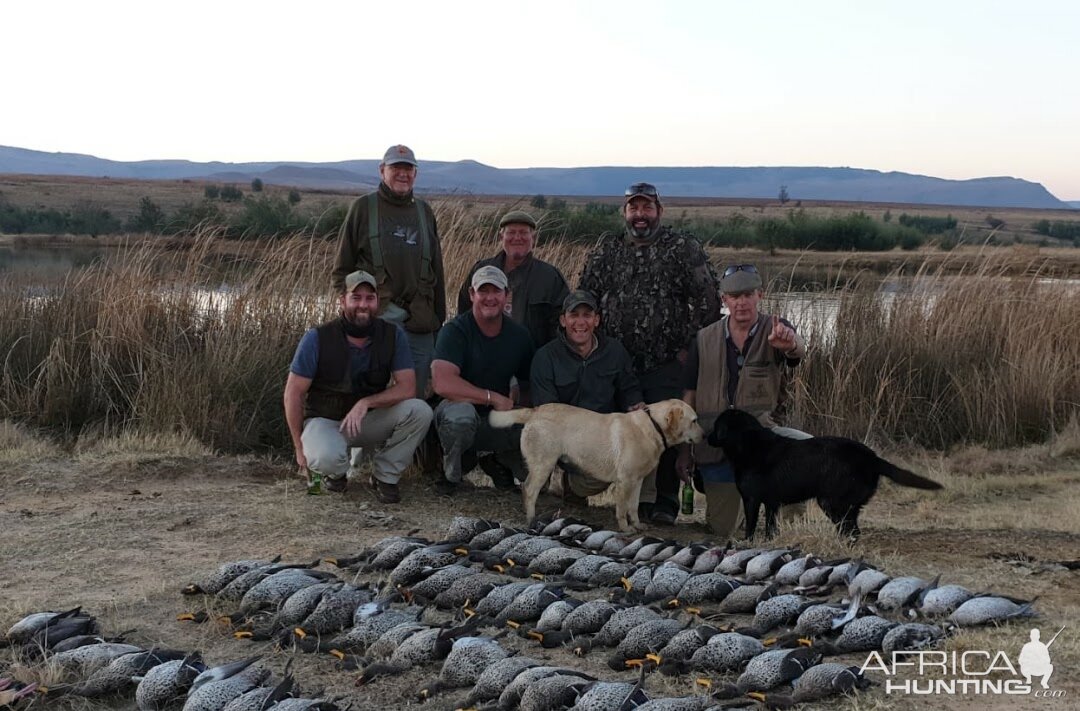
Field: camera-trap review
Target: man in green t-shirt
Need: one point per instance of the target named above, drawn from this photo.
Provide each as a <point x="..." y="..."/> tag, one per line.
<point x="476" y="356"/>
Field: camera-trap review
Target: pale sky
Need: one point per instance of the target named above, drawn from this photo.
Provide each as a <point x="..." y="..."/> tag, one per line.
<point x="943" y="88"/>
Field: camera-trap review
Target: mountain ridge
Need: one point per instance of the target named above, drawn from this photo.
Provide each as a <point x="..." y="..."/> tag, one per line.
<point x="802" y="183"/>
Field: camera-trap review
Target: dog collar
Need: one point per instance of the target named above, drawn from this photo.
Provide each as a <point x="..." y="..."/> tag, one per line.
<point x="656" y="427"/>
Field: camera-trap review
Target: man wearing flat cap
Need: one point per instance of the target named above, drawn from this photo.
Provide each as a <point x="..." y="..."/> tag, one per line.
<point x="352" y="384"/>
<point x="537" y="288"/>
<point x="655" y="288"/>
<point x="391" y="234"/>
<point x="586" y="369"/>
<point x="476" y="356"/>
<point x="744" y="360"/>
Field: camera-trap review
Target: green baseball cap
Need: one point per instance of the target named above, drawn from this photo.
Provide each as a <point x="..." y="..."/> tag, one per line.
<point x="579" y="297"/>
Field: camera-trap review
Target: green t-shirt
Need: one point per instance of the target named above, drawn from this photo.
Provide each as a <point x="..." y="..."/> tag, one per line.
<point x="487" y="363"/>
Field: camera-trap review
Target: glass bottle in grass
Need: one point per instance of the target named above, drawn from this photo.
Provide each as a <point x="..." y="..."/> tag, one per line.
<point x="687" y="499"/>
<point x="315" y="484"/>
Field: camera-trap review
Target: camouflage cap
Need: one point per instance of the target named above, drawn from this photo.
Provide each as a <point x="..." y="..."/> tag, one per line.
<point x="579" y="297"/>
<point x="489" y="275"/>
<point x="399" y="154"/>
<point x="517" y="217"/>
<point x="360" y="277"/>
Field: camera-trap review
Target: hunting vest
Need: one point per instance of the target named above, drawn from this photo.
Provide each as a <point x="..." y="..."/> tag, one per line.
<point x="761" y="380"/>
<point x="333" y="390"/>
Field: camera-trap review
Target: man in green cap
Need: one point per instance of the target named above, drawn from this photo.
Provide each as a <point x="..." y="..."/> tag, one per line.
<point x="537" y="288"/>
<point x="392" y="234"/>
<point x="352" y="384"/>
<point x="586" y="369"/>
<point x="744" y="360"/>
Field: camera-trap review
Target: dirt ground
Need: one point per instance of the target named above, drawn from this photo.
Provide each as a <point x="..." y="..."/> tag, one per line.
<point x="121" y="530"/>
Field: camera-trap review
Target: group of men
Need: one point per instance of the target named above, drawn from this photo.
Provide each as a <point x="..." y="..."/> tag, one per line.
<point x="644" y="325"/>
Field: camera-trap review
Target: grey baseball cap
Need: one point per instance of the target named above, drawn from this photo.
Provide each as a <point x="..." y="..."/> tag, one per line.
<point x="489" y="275"/>
<point x="399" y="154"/>
<point x="577" y="298"/>
<point x="360" y="277"/>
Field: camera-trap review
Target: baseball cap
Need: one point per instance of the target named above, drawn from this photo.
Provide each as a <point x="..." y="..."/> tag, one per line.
<point x="399" y="154"/>
<point x="579" y="297"/>
<point x="517" y="217"/>
<point x="645" y="190"/>
<point x="740" y="278"/>
<point x="489" y="275"/>
<point x="360" y="277"/>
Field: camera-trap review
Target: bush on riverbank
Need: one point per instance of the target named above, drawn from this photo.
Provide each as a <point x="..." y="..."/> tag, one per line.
<point x="136" y="343"/>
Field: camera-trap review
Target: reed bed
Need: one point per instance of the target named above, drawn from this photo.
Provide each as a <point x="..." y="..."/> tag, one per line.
<point x="146" y="343"/>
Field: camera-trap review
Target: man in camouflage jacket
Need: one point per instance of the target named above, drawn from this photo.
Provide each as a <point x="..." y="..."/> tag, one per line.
<point x="656" y="290"/>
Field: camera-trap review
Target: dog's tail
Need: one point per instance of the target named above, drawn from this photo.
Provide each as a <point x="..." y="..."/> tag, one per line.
<point x="903" y="477"/>
<point x="509" y="418"/>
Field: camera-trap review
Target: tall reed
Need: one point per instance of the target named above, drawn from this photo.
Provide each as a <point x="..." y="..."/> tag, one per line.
<point x="138" y="343"/>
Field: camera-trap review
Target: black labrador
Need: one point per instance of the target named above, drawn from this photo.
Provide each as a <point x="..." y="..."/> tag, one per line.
<point x="839" y="473"/>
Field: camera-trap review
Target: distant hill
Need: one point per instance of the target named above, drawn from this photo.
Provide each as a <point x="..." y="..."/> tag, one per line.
<point x="846" y="184"/>
<point x="1074" y="204"/>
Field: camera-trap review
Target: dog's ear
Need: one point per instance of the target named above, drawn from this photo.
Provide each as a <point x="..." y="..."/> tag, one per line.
<point x="674" y="417"/>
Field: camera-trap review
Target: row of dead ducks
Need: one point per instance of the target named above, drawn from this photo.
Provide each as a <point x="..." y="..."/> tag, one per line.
<point x="69" y="645"/>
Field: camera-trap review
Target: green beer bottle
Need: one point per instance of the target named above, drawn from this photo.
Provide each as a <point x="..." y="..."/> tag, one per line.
<point x="687" y="499"/>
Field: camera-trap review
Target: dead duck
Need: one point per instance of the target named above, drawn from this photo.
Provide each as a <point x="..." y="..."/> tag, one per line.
<point x="585" y="619"/>
<point x="216" y="687"/>
<point x="419" y="649"/>
<point x="469" y="657"/>
<point x="644" y="639"/>
<point x="911" y="636"/>
<point x="498" y="598"/>
<point x="779" y="610"/>
<point x="462" y="529"/>
<point x="411" y="568"/>
<point x="609" y="696"/>
<point x="213" y="583"/>
<point x="358" y="561"/>
<point x="272" y="591"/>
<point x="764" y="565"/>
<point x="528" y="605"/>
<point x="165" y="684"/>
<point x="863" y="634"/>
<point x="389" y="557"/>
<point x="770" y="669"/>
<point x="335" y="610"/>
<point x="667" y="580"/>
<point x="682" y="646"/>
<point x="707" y="587"/>
<point x="56" y="631"/>
<point x="825" y="618"/>
<point x="942" y="600"/>
<point x="84" y="661"/>
<point x="119" y="674"/>
<point x="24" y="630"/>
<point x="554" y="692"/>
<point x="866" y="580"/>
<point x="555" y="561"/>
<point x="235" y="591"/>
<point x="552" y="617"/>
<point x="468" y="589"/>
<point x="439" y="580"/>
<point x="789" y="573"/>
<point x="734" y="563"/>
<point x="620" y="624"/>
<point x="495" y="679"/>
<point x="746" y="598"/>
<point x="821" y="681"/>
<point x="991" y="609"/>
<point x="902" y="592"/>
<point x="724" y="652"/>
<point x="486" y="539"/>
<point x="611" y="574"/>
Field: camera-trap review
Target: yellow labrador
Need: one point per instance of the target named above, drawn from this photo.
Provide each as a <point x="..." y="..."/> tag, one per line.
<point x="621" y="448"/>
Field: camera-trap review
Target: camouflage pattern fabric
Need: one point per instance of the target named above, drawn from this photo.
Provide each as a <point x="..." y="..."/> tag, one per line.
<point x="653" y="297"/>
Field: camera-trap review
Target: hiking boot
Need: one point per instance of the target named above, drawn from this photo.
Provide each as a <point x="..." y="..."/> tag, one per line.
<point x="644" y="512"/>
<point x="386" y="493"/>
<point x="664" y="513"/>
<point x="336" y="485"/>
